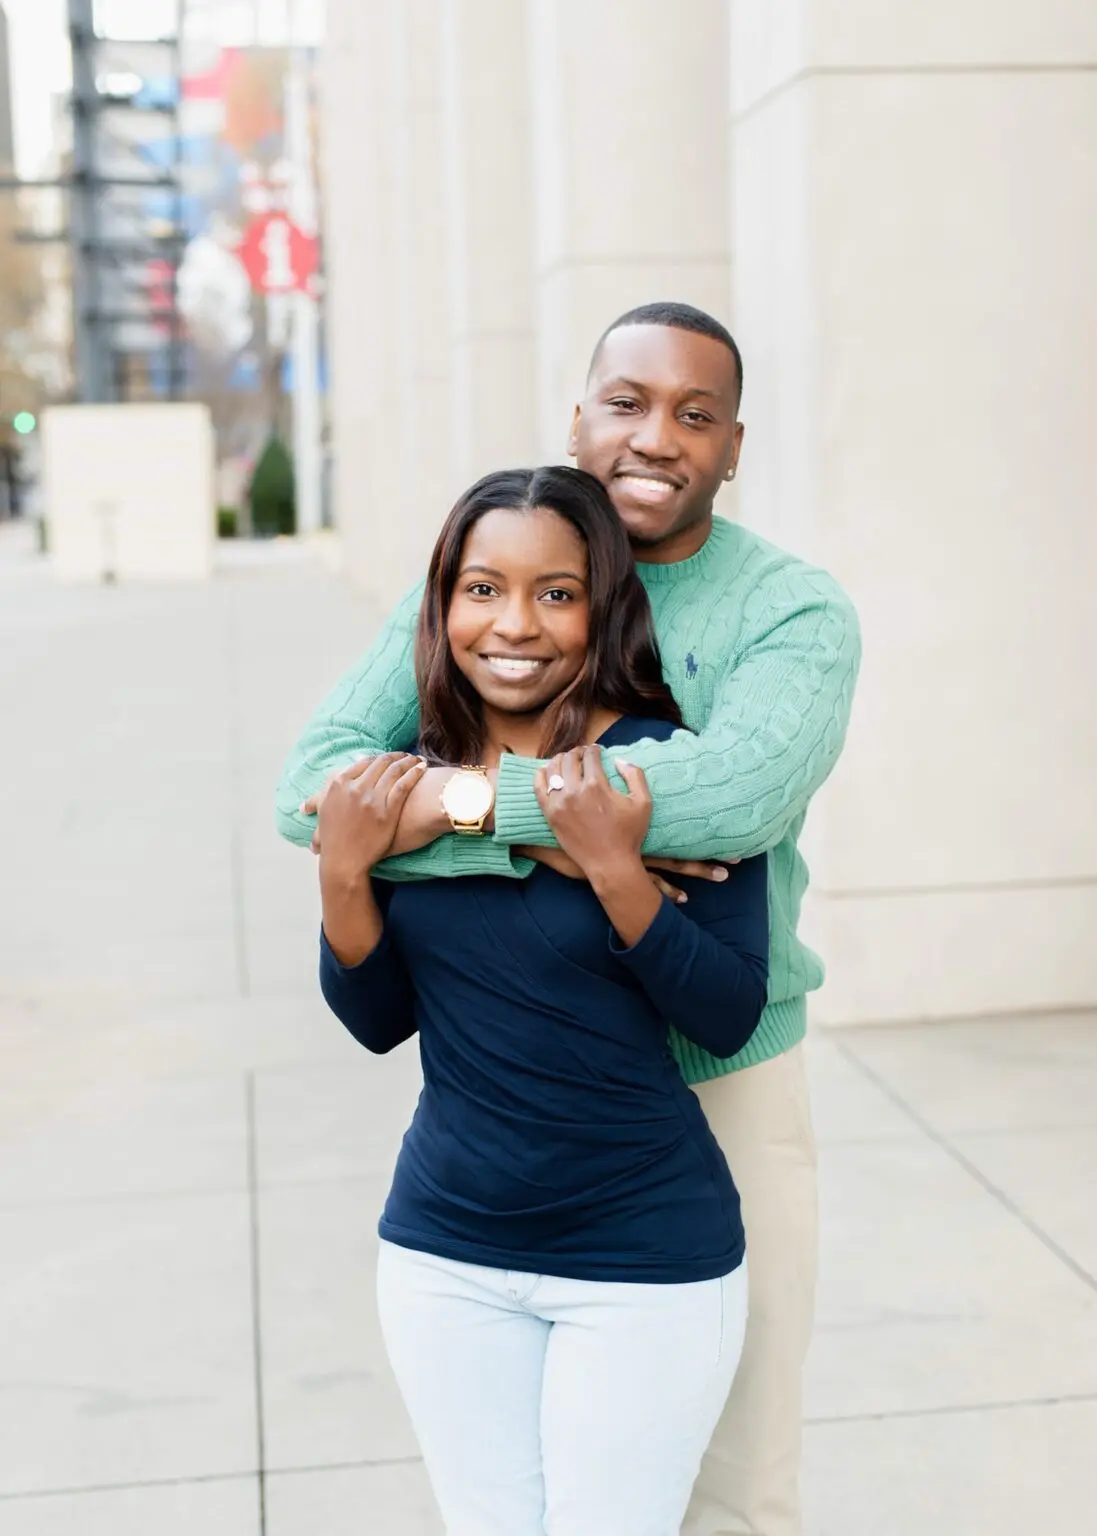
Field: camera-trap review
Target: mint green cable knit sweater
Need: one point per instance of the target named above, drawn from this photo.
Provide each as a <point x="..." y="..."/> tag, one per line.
<point x="761" y="652"/>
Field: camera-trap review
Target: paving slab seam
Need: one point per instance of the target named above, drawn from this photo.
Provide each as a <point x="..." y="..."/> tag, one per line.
<point x="1072" y="1011"/>
<point x="256" y="1299"/>
<point x="122" y="1197"/>
<point x="366" y="1464"/>
<point x="971" y="1169"/>
<point x="947" y="1409"/>
<point x="199" y="1478"/>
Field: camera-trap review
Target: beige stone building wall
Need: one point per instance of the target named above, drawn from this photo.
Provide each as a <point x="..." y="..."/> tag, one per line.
<point x="895" y="205"/>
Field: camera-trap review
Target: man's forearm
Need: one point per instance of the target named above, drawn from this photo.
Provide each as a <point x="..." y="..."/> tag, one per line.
<point x="373" y="708"/>
<point x="732" y="790"/>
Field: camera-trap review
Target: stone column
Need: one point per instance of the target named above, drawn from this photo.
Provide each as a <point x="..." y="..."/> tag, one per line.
<point x="630" y="175"/>
<point x="388" y="302"/>
<point x="915" y="241"/>
<point x="422" y="424"/>
<point x="490" y="201"/>
<point x="359" y="200"/>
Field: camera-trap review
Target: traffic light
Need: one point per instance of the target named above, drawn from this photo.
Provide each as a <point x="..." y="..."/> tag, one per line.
<point x="24" y="422"/>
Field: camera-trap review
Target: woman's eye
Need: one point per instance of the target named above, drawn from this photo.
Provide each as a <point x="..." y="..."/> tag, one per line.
<point x="481" y="589"/>
<point x="558" y="595"/>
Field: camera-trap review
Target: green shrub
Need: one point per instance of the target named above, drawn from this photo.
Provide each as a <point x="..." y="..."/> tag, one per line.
<point x="226" y="522"/>
<point x="273" y="502"/>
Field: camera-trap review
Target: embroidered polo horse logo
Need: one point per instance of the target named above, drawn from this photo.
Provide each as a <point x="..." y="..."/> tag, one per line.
<point x="691" y="666"/>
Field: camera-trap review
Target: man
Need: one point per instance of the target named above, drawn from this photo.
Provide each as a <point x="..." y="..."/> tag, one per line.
<point x="762" y="653"/>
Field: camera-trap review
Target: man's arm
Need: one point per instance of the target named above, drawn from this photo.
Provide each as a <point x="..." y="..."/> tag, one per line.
<point x="776" y="729"/>
<point x="374" y="708"/>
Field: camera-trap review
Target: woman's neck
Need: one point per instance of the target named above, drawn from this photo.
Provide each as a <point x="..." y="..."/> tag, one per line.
<point x="522" y="734"/>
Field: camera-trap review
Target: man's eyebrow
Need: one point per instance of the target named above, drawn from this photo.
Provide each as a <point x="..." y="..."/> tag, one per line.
<point x="642" y="389"/>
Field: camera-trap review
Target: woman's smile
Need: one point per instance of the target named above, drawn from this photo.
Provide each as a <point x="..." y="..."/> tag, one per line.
<point x="514" y="669"/>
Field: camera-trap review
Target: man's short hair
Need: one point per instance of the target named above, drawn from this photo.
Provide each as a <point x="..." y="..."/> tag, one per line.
<point x="678" y="317"/>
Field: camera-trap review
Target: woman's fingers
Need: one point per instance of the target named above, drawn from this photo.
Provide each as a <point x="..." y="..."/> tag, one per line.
<point x="366" y="773"/>
<point x="593" y="771"/>
<point x="396" y="764"/>
<point x="571" y="768"/>
<point x="635" y="782"/>
<point x="408" y="775"/>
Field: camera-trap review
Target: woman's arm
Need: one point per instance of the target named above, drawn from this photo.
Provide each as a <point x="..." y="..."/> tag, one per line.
<point x="705" y="968"/>
<point x="362" y="978"/>
<point x="705" y="973"/>
<point x="373" y="999"/>
<point x="776" y="729"/>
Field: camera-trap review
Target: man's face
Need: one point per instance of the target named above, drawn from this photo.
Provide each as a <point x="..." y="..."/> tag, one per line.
<point x="658" y="427"/>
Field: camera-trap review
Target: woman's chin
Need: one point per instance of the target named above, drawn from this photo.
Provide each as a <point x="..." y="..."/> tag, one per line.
<point x="516" y="700"/>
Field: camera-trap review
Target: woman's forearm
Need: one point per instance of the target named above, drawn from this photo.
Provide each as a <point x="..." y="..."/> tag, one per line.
<point x="628" y="897"/>
<point x="352" y="919"/>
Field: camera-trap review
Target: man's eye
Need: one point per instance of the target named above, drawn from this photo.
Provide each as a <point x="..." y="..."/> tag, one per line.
<point x="623" y="405"/>
<point x="696" y="418"/>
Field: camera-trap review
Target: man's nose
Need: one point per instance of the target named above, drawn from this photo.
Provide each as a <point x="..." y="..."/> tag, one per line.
<point x="654" y="435"/>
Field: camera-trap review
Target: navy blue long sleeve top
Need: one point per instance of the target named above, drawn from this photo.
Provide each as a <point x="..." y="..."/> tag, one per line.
<point x="554" y="1133"/>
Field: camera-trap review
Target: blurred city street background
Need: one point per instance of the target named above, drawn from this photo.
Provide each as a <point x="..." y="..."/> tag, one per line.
<point x="278" y="278"/>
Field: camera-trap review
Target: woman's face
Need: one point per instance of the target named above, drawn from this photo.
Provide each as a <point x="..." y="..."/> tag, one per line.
<point x="520" y="613"/>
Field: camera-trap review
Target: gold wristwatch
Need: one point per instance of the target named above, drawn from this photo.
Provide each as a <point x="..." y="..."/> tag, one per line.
<point x="467" y="799"/>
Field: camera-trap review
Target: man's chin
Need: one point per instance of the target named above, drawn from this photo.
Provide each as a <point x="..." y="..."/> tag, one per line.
<point x="644" y="526"/>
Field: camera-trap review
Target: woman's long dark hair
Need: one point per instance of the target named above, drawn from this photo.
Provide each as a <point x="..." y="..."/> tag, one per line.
<point x="622" y="671"/>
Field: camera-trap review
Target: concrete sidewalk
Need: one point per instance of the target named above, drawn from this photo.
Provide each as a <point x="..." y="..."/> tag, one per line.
<point x="192" y="1154"/>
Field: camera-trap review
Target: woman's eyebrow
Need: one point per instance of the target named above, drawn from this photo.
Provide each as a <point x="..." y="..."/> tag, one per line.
<point x="488" y="570"/>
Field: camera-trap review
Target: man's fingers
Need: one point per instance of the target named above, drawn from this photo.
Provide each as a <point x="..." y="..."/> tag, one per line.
<point x="665" y="888"/>
<point x="698" y="868"/>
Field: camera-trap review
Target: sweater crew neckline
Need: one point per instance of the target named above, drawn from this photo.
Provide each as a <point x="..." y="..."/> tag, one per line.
<point x="712" y="550"/>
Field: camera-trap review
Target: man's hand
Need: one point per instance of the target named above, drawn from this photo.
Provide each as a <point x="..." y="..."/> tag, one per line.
<point x="557" y="859"/>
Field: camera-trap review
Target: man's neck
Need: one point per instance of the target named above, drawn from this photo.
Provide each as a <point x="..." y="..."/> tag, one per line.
<point x="679" y="546"/>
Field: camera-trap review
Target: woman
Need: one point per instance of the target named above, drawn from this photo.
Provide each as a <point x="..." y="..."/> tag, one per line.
<point x="561" y="1280"/>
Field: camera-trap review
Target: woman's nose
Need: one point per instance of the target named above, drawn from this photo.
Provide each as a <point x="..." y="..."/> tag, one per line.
<point x="517" y="621"/>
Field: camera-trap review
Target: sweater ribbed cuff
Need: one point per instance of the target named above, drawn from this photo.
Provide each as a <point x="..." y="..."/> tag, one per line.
<point x="486" y="856"/>
<point x="518" y="817"/>
<point x="781" y="1026"/>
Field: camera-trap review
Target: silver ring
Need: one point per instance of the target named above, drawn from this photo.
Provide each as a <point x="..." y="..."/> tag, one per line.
<point x="556" y="781"/>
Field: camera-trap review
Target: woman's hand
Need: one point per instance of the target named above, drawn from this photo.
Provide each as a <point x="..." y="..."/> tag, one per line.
<point x="596" y="826"/>
<point x="360" y="812"/>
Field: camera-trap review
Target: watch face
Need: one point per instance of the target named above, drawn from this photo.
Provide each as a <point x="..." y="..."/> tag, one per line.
<point x="467" y="797"/>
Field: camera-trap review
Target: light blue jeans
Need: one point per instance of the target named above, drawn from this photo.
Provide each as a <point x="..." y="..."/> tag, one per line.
<point x="567" y="1407"/>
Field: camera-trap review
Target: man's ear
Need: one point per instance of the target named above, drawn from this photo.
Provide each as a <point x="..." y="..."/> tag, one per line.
<point x="573" y="436"/>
